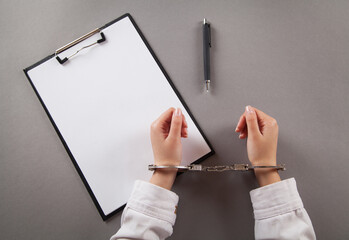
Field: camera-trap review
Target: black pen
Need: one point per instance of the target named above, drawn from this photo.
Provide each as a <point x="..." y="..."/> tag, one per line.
<point x="206" y="30"/>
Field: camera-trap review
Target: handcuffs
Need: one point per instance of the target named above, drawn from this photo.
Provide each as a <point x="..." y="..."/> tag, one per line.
<point x="201" y="168"/>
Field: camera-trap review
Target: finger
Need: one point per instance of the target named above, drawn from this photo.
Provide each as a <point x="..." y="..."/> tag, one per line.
<point x="241" y="124"/>
<point x="176" y="124"/>
<point x="166" y="116"/>
<point x="264" y="120"/>
<point x="243" y="133"/>
<point x="161" y="126"/>
<point x="184" y="122"/>
<point x="252" y="122"/>
<point x="261" y="115"/>
<point x="162" y="123"/>
<point x="184" y="132"/>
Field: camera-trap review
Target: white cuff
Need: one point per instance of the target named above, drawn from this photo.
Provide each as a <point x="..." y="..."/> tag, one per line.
<point x="275" y="199"/>
<point x="153" y="201"/>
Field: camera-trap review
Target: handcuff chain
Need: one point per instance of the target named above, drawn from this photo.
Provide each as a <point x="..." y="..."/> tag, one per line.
<point x="201" y="168"/>
<point x="218" y="168"/>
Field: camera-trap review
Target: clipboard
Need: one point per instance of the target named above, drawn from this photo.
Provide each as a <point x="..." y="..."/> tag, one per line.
<point x="101" y="92"/>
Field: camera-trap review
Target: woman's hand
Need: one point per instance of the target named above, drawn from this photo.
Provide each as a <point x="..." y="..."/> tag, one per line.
<point x="261" y="131"/>
<point x="166" y="133"/>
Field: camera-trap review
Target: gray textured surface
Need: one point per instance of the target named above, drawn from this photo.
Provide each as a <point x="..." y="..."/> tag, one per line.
<point x="288" y="58"/>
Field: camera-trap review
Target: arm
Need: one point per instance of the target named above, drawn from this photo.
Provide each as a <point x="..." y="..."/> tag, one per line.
<point x="150" y="212"/>
<point x="279" y="212"/>
<point x="278" y="208"/>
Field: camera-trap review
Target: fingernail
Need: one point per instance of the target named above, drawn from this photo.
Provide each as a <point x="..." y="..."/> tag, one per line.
<point x="236" y="129"/>
<point x="178" y="112"/>
<point x="249" y="109"/>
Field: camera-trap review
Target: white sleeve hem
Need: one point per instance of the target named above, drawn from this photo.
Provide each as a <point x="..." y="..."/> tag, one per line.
<point x="153" y="201"/>
<point x="275" y="199"/>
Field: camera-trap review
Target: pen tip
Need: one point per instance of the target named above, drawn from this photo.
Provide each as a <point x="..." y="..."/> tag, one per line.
<point x="207" y="85"/>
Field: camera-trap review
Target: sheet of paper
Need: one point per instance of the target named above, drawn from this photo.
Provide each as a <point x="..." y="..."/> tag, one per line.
<point x="103" y="102"/>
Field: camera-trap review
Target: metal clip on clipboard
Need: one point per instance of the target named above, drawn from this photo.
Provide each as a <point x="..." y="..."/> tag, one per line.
<point x="80" y="39"/>
<point x="201" y="168"/>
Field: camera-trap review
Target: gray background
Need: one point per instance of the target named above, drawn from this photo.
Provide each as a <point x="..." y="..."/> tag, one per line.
<point x="288" y="58"/>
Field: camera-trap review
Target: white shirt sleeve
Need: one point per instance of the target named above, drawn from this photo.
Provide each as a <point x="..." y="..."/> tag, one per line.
<point x="279" y="212"/>
<point x="150" y="213"/>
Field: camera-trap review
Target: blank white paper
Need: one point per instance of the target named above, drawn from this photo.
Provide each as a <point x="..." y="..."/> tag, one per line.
<point x="103" y="102"/>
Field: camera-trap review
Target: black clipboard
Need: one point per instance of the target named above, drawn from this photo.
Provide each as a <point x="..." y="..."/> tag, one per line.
<point x="64" y="60"/>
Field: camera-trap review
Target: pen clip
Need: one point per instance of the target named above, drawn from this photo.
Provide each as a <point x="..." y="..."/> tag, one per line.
<point x="209" y="34"/>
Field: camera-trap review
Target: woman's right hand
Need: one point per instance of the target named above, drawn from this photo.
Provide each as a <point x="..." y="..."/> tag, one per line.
<point x="261" y="131"/>
<point x="165" y="134"/>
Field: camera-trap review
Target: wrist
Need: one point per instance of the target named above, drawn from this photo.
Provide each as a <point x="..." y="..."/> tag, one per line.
<point x="267" y="176"/>
<point x="164" y="178"/>
<point x="264" y="162"/>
